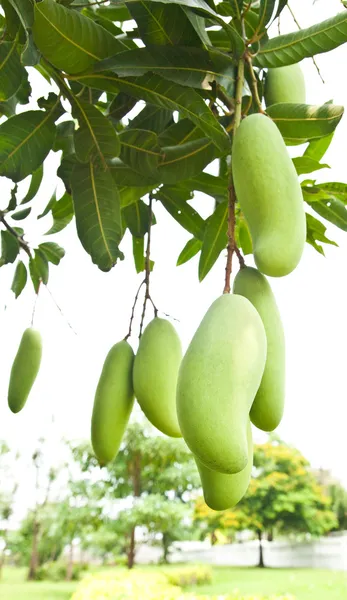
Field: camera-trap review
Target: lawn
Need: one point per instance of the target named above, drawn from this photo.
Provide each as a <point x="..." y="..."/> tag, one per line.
<point x="305" y="584"/>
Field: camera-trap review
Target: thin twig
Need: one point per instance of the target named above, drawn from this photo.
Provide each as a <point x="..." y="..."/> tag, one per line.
<point x="35" y="303"/>
<point x="23" y="244"/>
<point x="279" y="24"/>
<point x="60" y="310"/>
<point x="299" y="27"/>
<point x="254" y="89"/>
<point x="148" y="268"/>
<point x="133" y="310"/>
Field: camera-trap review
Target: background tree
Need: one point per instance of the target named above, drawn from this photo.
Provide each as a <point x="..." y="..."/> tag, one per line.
<point x="339" y="505"/>
<point x="8" y="492"/>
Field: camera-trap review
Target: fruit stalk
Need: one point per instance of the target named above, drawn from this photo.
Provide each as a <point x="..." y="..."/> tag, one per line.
<point x="148" y="268"/>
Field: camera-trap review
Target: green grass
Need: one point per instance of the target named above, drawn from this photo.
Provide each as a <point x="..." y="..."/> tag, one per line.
<point x="304" y="584"/>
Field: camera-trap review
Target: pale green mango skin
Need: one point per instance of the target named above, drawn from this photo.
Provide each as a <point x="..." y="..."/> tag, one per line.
<point x="155" y="375"/>
<point x="285" y="84"/>
<point x="113" y="402"/>
<point x="269" y="195"/>
<point x="267" y="408"/>
<point x="25" y="368"/>
<point x="218" y="380"/>
<point x="223" y="491"/>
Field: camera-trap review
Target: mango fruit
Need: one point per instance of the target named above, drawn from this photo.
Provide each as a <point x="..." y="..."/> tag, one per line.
<point x="25" y="368"/>
<point x="269" y="194"/>
<point x="155" y="375"/>
<point x="267" y="408"/>
<point x="218" y="380"/>
<point x="113" y="402"/>
<point x="223" y="491"/>
<point x="285" y="84"/>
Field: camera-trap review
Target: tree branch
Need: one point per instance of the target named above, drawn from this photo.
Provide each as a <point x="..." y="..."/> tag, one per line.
<point x="23" y="244"/>
<point x="254" y="89"/>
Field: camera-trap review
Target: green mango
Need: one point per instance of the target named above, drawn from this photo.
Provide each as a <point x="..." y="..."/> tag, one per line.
<point x="223" y="491"/>
<point x="267" y="408"/>
<point x="269" y="194"/>
<point x="218" y="380"/>
<point x="155" y="375"/>
<point x="25" y="368"/>
<point x="285" y="84"/>
<point x="113" y="403"/>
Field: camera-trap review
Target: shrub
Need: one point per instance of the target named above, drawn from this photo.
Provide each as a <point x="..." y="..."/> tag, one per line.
<point x="56" y="571"/>
<point x="187" y="576"/>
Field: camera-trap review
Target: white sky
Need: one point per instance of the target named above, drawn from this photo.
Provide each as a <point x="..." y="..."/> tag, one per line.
<point x="312" y="301"/>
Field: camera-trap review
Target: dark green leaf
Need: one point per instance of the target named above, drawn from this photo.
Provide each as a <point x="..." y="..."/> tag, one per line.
<point x="96" y="135"/>
<point x="34" y="186"/>
<point x="217" y="187"/>
<point x="52" y="201"/>
<point x="293" y="47"/>
<point x="192" y="67"/>
<point x="53" y="252"/>
<point x="13" y="200"/>
<point x="317" y="148"/>
<point x="42" y="266"/>
<point x="174" y="200"/>
<point x="25" y="11"/>
<point x="299" y="123"/>
<point x="155" y="90"/>
<point x="281" y="5"/>
<point x="120" y="106"/>
<point x="152" y="118"/>
<point x="69" y="40"/>
<point x="9" y="248"/>
<point x="19" y="279"/>
<point x="62" y="213"/>
<point x="11" y="70"/>
<point x="128" y="195"/>
<point x="21" y="214"/>
<point x="191" y="248"/>
<point x="215" y="239"/>
<point x="138" y="253"/>
<point x="140" y="150"/>
<point x="25" y="140"/>
<point x="316" y="233"/>
<point x="97" y="211"/>
<point x="266" y="11"/>
<point x="136" y="217"/>
<point x="125" y="176"/>
<point x="333" y="210"/>
<point x="305" y="164"/>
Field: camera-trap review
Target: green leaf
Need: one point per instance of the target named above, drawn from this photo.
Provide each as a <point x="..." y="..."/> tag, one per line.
<point x="174" y="200"/>
<point x="64" y="137"/>
<point x="70" y="41"/>
<point x="266" y="11"/>
<point x="9" y="248"/>
<point x="136" y="217"/>
<point x="281" y="5"/>
<point x="120" y="106"/>
<point x="316" y="233"/>
<point x="317" y="148"/>
<point x="152" y="118"/>
<point x="97" y="211"/>
<point x="333" y="210"/>
<point x="96" y="135"/>
<point x="190" y="250"/>
<point x="42" y="266"/>
<point x="336" y="189"/>
<point x="128" y="195"/>
<point x="186" y="160"/>
<point x="293" y="47"/>
<point x="53" y="252"/>
<point x="21" y="214"/>
<point x="192" y="67"/>
<point x="125" y="176"/>
<point x="155" y="90"/>
<point x="243" y="236"/>
<point x="140" y="150"/>
<point x="216" y="187"/>
<point x="299" y="123"/>
<point x="25" y="140"/>
<point x="215" y="239"/>
<point x="305" y="164"/>
<point x="34" y="186"/>
<point x="11" y="70"/>
<point x="19" y="279"/>
<point x="25" y="11"/>
<point x="13" y="199"/>
<point x="62" y="213"/>
<point x="139" y="254"/>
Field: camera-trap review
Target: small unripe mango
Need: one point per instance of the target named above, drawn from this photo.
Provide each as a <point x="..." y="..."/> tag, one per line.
<point x="223" y="491"/>
<point x="269" y="194"/>
<point x="218" y="380"/>
<point x="155" y="375"/>
<point x="285" y="84"/>
<point x="267" y="408"/>
<point x="113" y="403"/>
<point x="25" y="368"/>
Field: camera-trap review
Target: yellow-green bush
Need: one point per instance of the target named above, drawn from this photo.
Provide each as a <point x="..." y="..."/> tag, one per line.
<point x="140" y="585"/>
<point x="185" y="576"/>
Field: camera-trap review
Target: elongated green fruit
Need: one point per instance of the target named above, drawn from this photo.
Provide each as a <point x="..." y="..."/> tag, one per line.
<point x="218" y="380"/>
<point x="267" y="408"/>
<point x="113" y="403"/>
<point x="155" y="375"/>
<point x="285" y="84"/>
<point x="223" y="491"/>
<point x="24" y="369"/>
<point x="269" y="194"/>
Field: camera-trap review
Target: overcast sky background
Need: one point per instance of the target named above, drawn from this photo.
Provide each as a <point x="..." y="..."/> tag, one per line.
<point x="312" y="301"/>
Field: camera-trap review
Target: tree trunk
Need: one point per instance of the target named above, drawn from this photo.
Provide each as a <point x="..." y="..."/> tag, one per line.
<point x="34" y="558"/>
<point x="2" y="557"/>
<point x="261" y="554"/>
<point x="166" y="545"/>
<point x="131" y="551"/>
<point x="213" y="538"/>
<point x="69" y="568"/>
<point x="270" y="536"/>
